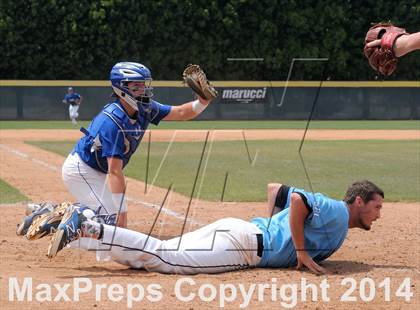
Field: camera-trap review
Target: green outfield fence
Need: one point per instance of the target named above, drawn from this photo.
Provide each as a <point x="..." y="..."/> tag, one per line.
<point x="237" y="100"/>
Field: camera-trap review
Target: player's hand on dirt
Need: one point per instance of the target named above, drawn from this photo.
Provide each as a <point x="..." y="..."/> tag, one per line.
<point x="305" y="260"/>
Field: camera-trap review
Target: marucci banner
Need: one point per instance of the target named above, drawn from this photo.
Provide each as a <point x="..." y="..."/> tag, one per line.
<point x="243" y="95"/>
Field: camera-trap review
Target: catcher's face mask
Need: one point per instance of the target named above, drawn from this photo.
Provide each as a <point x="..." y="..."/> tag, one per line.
<point x="141" y="91"/>
<point x="136" y="93"/>
<point x="126" y="75"/>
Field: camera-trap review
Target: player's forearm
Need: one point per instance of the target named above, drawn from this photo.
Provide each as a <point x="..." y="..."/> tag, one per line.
<point x="116" y="182"/>
<point x="187" y="110"/>
<point x="298" y="233"/>
<point x="190" y="111"/>
<point x="297" y="216"/>
<point x="115" y="178"/>
<point x="406" y="44"/>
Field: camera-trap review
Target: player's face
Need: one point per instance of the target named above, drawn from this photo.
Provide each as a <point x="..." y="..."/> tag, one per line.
<point x="370" y="211"/>
<point x="137" y="89"/>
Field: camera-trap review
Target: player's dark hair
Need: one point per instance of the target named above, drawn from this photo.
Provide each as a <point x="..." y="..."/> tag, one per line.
<point x="365" y="189"/>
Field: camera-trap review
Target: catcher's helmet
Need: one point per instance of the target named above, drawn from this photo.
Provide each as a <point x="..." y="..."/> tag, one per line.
<point x="124" y="72"/>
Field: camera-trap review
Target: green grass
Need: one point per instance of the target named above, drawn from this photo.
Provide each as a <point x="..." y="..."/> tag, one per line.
<point x="41" y="125"/>
<point x="413" y="124"/>
<point x="62" y="148"/>
<point x="332" y="166"/>
<point x="9" y="194"/>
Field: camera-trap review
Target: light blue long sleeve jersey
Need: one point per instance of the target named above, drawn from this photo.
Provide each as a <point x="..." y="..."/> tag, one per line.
<point x="325" y="229"/>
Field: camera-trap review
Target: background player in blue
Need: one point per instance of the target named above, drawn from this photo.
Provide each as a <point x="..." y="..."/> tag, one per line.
<point x="303" y="229"/>
<point x="93" y="172"/>
<point x="73" y="100"/>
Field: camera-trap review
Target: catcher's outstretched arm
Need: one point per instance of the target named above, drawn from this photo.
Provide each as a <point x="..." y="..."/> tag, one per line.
<point x="187" y="110"/>
<point x="403" y="45"/>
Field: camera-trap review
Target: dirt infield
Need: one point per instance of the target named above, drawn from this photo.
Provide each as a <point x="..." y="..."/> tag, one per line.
<point x="251" y="134"/>
<point x="389" y="252"/>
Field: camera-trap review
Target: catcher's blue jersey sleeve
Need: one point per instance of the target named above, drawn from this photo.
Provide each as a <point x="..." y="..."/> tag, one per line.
<point x="158" y="112"/>
<point x="325" y="230"/>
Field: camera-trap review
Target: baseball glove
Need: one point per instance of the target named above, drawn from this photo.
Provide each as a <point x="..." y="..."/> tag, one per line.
<point x="195" y="78"/>
<point x="382" y="58"/>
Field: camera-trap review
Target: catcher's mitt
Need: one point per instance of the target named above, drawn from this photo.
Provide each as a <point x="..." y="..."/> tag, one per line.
<point x="195" y="78"/>
<point x="382" y="58"/>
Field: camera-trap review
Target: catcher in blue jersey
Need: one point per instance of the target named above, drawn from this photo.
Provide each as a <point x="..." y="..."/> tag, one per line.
<point x="303" y="229"/>
<point x="93" y="171"/>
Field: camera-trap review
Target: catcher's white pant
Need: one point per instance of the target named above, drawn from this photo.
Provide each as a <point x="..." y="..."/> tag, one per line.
<point x="225" y="245"/>
<point x="89" y="188"/>
<point x="73" y="111"/>
<point x="87" y="185"/>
